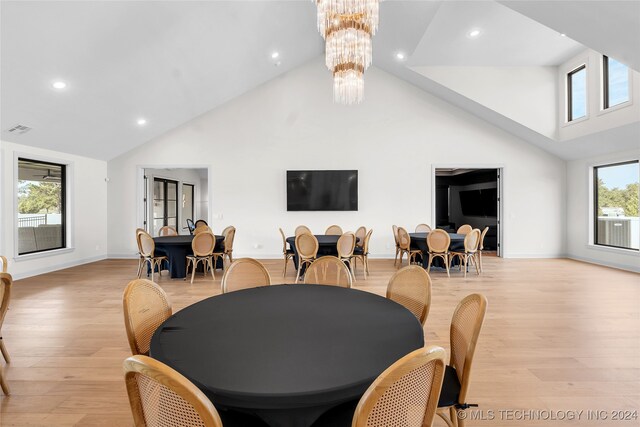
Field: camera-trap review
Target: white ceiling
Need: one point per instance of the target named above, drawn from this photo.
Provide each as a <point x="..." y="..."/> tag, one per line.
<point x="166" y="61"/>
<point x="171" y="61"/>
<point x="507" y="38"/>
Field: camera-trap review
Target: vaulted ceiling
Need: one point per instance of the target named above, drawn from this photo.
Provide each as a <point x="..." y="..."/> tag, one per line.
<point x="169" y="62"/>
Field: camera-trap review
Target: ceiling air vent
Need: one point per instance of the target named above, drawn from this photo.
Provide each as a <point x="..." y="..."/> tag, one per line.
<point x="19" y="129"/>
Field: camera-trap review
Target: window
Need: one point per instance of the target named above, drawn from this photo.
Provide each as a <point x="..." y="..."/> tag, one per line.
<point x="41" y="206"/>
<point x="165" y="204"/>
<point x="577" y="93"/>
<point x="616" y="205"/>
<point x="615" y="80"/>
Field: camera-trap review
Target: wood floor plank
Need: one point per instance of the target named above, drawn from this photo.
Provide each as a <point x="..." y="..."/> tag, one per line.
<point x="559" y="335"/>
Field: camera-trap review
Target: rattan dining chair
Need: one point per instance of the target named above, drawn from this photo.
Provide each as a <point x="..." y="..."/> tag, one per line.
<point x="404" y="243"/>
<point x="203" y="246"/>
<point x="423" y="228"/>
<point x="161" y="396"/>
<point x="146" y="306"/>
<point x="286" y="253"/>
<point x="362" y="253"/>
<point x="406" y="393"/>
<point x="411" y="287"/>
<point x="202" y="229"/>
<point x="360" y="233"/>
<point x="200" y="223"/>
<point x="302" y="229"/>
<point x="438" y="242"/>
<point x="147" y="247"/>
<point x="229" y="234"/>
<point x="471" y="242"/>
<point x="465" y="328"/>
<point x="394" y="228"/>
<point x="345" y="247"/>
<point x="333" y="230"/>
<point x="244" y="273"/>
<point x="328" y="270"/>
<point x="6" y="281"/>
<point x="481" y="248"/>
<point x="3" y="262"/>
<point x="464" y="229"/>
<point x="307" y="249"/>
<point x="167" y="230"/>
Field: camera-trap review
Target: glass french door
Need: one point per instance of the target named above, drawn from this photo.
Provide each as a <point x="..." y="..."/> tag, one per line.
<point x="165" y="203"/>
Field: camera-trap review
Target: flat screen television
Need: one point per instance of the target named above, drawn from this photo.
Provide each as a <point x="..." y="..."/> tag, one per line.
<point x="479" y="202"/>
<point x="328" y="190"/>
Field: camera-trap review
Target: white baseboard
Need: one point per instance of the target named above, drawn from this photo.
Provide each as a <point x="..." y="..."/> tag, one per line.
<point x="633" y="269"/>
<point x="57" y="267"/>
<point x="122" y="256"/>
<point x="539" y="256"/>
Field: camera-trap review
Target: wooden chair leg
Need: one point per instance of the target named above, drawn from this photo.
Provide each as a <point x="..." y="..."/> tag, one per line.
<point x="194" y="265"/>
<point x="480" y="259"/>
<point x="299" y="269"/>
<point x="140" y="262"/>
<point x="366" y="261"/>
<point x="286" y="260"/>
<point x="3" y="384"/>
<point x="446" y="263"/>
<point x="453" y="416"/>
<point x="442" y="414"/>
<point x="186" y="270"/>
<point x="210" y="264"/>
<point x="4" y="351"/>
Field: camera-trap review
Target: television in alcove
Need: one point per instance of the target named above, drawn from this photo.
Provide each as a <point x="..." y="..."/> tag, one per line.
<point x="322" y="190"/>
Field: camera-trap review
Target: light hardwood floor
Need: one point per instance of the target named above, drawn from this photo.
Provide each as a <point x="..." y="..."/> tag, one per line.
<point x="559" y="335"/>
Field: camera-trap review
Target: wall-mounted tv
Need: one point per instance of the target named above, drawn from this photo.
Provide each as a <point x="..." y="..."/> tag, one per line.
<point x="479" y="202"/>
<point x="329" y="190"/>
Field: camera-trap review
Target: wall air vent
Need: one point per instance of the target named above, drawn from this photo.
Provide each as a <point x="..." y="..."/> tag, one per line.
<point x="19" y="129"/>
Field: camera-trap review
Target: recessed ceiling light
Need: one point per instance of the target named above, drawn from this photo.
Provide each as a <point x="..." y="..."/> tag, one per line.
<point x="141" y="121"/>
<point x="400" y="56"/>
<point x="274" y="55"/>
<point x="474" y="33"/>
<point x="59" y="84"/>
<point x="563" y="35"/>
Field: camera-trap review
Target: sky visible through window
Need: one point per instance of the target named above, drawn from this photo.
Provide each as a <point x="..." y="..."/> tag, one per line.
<point x="578" y="94"/>
<point x="618" y="82"/>
<point x="619" y="176"/>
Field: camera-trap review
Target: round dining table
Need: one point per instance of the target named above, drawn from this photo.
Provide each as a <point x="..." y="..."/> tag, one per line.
<point x="419" y="240"/>
<point x="286" y="353"/>
<point x="326" y="246"/>
<point x="176" y="249"/>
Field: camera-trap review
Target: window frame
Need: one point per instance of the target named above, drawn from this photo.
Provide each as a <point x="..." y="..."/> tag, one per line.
<point x="594" y="207"/>
<point x="64" y="208"/>
<point x="569" y="92"/>
<point x="605" y="87"/>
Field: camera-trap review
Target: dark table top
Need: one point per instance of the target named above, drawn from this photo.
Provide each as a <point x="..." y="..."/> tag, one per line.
<point x="180" y="240"/>
<point x="173" y="240"/>
<point x="286" y="346"/>
<point x="454" y="236"/>
<point x="323" y="240"/>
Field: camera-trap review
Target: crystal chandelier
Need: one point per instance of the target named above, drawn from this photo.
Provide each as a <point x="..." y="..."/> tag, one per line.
<point x="347" y="27"/>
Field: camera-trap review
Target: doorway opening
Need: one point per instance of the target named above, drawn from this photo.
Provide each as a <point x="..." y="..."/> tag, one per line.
<point x="470" y="196"/>
<point x="173" y="195"/>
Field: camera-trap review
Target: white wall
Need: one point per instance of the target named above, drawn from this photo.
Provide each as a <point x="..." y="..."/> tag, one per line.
<point x="597" y="119"/>
<point x="86" y="205"/>
<point x="526" y="95"/>
<point x="393" y="139"/>
<point x="579" y="214"/>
